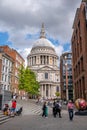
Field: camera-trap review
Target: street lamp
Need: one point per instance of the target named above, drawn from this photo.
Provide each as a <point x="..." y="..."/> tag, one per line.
<point x="66" y="74"/>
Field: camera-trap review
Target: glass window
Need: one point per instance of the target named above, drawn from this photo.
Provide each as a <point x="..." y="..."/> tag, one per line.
<point x="4" y="87"/>
<point x="5" y="77"/>
<point x="6" y="61"/>
<point x="2" y="77"/>
<point x="3" y="60"/>
<point x="57" y="88"/>
<point x="46" y="75"/>
<point x="3" y="67"/>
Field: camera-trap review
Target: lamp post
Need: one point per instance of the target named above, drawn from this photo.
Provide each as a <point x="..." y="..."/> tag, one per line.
<point x="66" y="74"/>
<point x="0" y="87"/>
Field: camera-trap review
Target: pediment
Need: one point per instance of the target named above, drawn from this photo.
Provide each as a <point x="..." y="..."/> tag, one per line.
<point x="46" y="68"/>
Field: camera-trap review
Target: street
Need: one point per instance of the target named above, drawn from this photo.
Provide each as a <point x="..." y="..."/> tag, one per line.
<point x="35" y="122"/>
<point x="32" y="121"/>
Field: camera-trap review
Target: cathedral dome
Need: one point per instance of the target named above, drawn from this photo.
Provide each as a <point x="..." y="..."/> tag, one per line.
<point x="42" y="45"/>
<point x="43" y="42"/>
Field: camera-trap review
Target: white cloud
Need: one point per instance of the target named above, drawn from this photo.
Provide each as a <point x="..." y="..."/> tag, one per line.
<point x="26" y="16"/>
<point x="59" y="50"/>
<point x="24" y="54"/>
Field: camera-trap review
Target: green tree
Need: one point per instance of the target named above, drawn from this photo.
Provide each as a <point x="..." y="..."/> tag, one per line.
<point x="27" y="81"/>
<point x="57" y="94"/>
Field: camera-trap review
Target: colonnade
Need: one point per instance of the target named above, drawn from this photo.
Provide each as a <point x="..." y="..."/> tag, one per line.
<point x="47" y="90"/>
<point x="42" y="59"/>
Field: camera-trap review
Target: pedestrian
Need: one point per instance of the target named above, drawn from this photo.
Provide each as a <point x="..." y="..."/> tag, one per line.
<point x="45" y="110"/>
<point x="70" y="107"/>
<point x="54" y="108"/>
<point x="5" y="109"/>
<point x="13" y="107"/>
<point x="58" y="108"/>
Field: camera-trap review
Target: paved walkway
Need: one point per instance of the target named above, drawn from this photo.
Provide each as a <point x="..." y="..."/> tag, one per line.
<point x="30" y="107"/>
<point x="37" y="122"/>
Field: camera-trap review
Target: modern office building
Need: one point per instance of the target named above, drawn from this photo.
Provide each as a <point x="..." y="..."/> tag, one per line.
<point x="79" y="51"/>
<point x="66" y="83"/>
<point x="43" y="60"/>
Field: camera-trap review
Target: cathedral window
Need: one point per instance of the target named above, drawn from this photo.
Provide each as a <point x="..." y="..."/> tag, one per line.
<point x="46" y="75"/>
<point x="57" y="88"/>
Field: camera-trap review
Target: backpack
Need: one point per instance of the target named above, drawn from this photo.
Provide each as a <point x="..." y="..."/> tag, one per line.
<point x="57" y="106"/>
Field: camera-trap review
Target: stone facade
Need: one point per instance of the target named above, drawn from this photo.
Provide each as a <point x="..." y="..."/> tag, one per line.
<point x="43" y="60"/>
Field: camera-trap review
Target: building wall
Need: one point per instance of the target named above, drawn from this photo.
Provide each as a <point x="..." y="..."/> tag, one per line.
<point x="6" y="66"/>
<point x="79" y="52"/>
<point x="0" y="70"/>
<point x="18" y="61"/>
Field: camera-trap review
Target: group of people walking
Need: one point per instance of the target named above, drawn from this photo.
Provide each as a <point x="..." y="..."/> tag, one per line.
<point x="57" y="107"/>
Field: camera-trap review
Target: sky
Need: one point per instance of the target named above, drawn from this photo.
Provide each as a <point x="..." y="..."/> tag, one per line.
<point x="21" y="21"/>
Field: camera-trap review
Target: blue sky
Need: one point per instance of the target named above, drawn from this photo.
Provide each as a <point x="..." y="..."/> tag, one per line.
<point x="20" y="25"/>
<point x="3" y="38"/>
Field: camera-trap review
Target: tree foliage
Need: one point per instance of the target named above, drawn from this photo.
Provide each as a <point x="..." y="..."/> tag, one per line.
<point x="27" y="81"/>
<point x="57" y="94"/>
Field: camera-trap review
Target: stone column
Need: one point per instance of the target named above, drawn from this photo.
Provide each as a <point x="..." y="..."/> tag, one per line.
<point x="49" y="91"/>
<point x="33" y="60"/>
<point x="30" y="61"/>
<point x="46" y="59"/>
<point x="52" y="91"/>
<point x="45" y="91"/>
<point x="42" y="90"/>
<point x="53" y="60"/>
<point x="49" y="60"/>
<point x="42" y="59"/>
